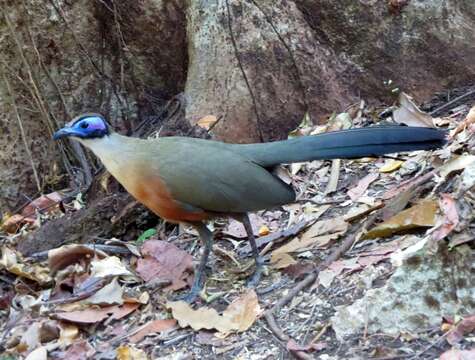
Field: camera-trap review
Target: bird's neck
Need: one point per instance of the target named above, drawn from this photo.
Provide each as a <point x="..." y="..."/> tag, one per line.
<point x="113" y="150"/>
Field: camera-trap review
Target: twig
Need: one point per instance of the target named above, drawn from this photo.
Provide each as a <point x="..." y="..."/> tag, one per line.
<point x="22" y="131"/>
<point x="451" y="102"/>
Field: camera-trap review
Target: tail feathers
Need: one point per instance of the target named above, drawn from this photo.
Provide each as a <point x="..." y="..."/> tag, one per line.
<point x="346" y="144"/>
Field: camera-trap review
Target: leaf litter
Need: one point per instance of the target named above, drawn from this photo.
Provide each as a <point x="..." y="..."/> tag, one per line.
<point x="430" y="199"/>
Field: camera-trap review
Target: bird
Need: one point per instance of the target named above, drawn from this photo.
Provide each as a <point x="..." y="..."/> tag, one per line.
<point x="190" y="180"/>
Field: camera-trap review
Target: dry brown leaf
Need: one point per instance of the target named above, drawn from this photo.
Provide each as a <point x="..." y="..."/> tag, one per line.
<point x="293" y="346"/>
<point x="94" y="315"/>
<point x="422" y="214"/>
<point x="152" y="327"/>
<point x="450" y="218"/>
<point x="469" y="120"/>
<point x="455" y="354"/>
<point x="238" y="316"/>
<point x="68" y="333"/>
<point x="207" y="122"/>
<point x="45" y="203"/>
<point x="165" y="262"/>
<point x="408" y="113"/>
<point x="360" y="211"/>
<point x="465" y="326"/>
<point x="66" y="255"/>
<point x="80" y="350"/>
<point x="362" y="186"/>
<point x="11" y="261"/>
<point x="319" y="234"/>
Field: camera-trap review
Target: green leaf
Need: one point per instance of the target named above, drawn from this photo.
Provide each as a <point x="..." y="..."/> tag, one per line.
<point x="147" y="234"/>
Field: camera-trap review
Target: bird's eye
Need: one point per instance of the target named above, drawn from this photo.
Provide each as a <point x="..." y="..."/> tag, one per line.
<point x="84" y="125"/>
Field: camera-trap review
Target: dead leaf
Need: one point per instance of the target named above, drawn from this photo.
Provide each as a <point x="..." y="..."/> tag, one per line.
<point x="422" y="214"/>
<point x="66" y="255"/>
<point x="152" y="327"/>
<point x="11" y="224"/>
<point x="264" y="230"/>
<point x="408" y="113"/>
<point x="109" y="266"/>
<point x="80" y="350"/>
<point x="469" y="120"/>
<point x="38" y="354"/>
<point x="455" y="354"/>
<point x="127" y="352"/>
<point x="68" y="333"/>
<point x="111" y="294"/>
<point x="95" y="315"/>
<point x="334" y="176"/>
<point x="31" y="337"/>
<point x="11" y="261"/>
<point x="465" y="326"/>
<point x="165" y="262"/>
<point x="238" y="316"/>
<point x="207" y="122"/>
<point x="362" y="186"/>
<point x="358" y="212"/>
<point x="45" y="203"/>
<point x="319" y="234"/>
<point x="450" y="217"/>
<point x="456" y="164"/>
<point x="390" y="166"/>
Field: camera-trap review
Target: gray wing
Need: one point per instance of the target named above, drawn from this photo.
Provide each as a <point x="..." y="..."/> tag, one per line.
<point x="209" y="176"/>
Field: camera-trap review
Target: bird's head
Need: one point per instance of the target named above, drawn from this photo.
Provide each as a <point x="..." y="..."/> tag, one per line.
<point x="85" y="126"/>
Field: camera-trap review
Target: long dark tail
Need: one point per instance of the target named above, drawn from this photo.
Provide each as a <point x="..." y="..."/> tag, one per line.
<point x="346" y="144"/>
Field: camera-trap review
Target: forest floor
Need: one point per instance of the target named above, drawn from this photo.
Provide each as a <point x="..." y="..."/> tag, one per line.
<point x="114" y="299"/>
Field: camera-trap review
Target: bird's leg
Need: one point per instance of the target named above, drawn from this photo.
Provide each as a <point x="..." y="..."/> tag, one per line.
<point x="256" y="276"/>
<point x="207" y="238"/>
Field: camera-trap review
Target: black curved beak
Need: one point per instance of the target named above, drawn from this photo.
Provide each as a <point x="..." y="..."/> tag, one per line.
<point x="65" y="132"/>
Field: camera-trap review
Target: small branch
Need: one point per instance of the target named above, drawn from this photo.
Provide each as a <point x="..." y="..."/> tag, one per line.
<point x="451" y="102"/>
<point x="22" y="131"/>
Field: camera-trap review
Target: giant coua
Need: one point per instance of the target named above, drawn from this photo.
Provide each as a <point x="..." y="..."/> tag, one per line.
<point x="187" y="180"/>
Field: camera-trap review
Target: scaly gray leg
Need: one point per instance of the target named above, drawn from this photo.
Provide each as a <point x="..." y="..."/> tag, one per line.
<point x="207" y="238"/>
<point x="256" y="276"/>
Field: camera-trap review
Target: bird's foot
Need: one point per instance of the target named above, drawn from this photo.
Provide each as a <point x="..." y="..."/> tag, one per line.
<point x="255" y="278"/>
<point x="190" y="296"/>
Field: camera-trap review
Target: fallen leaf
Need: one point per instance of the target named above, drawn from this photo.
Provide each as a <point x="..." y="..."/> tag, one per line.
<point x="408" y="113"/>
<point x="80" y="350"/>
<point x="455" y="164"/>
<point x="12" y="224"/>
<point x="152" y="327"/>
<point x="450" y="218"/>
<point x="420" y="215"/>
<point x="334" y="176"/>
<point x="362" y="186"/>
<point x="38" y="354"/>
<point x="126" y="352"/>
<point x="165" y="262"/>
<point x="390" y="166"/>
<point x="207" y="122"/>
<point x="66" y="255"/>
<point x="361" y="210"/>
<point x="455" y="354"/>
<point x="45" y="203"/>
<point x="465" y="326"/>
<point x="111" y="294"/>
<point x="11" y="261"/>
<point x="95" y="315"/>
<point x="31" y="337"/>
<point x="238" y="316"/>
<point x="109" y="266"/>
<point x="68" y="333"/>
<point x="469" y="120"/>
<point x="264" y="230"/>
